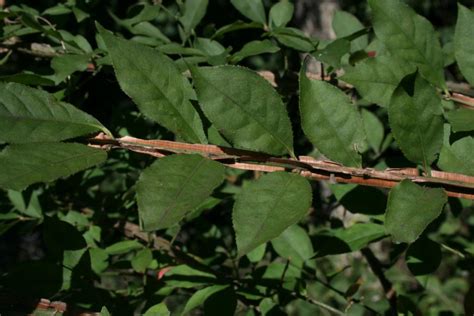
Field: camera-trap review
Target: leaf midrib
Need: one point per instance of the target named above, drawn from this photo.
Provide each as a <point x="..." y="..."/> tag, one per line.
<point x="251" y="117"/>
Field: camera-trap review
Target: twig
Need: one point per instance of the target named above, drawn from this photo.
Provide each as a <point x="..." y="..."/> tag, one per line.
<point x="455" y="185"/>
<point x="387" y="286"/>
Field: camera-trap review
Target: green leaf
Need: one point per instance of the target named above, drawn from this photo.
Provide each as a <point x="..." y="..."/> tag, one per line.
<point x="236" y="26"/>
<point x="199" y="297"/>
<point x="464" y="42"/>
<point x="122" y="247"/>
<point x="173" y="186"/>
<point x="245" y="108"/>
<point x="252" y="9"/>
<point x="268" y="206"/>
<point x="333" y="52"/>
<point x="104" y="311"/>
<point x="194" y="11"/>
<point x="257" y="254"/>
<point x="345" y="24"/>
<point x="28" y="78"/>
<point x="376" y="78"/>
<point x="374" y="130"/>
<point x="330" y="121"/>
<point x="25" y="164"/>
<point x="349" y="239"/>
<point x="294" y="38"/>
<point x="184" y="276"/>
<point x="410" y="37"/>
<point x="255" y="48"/>
<point x="458" y="157"/>
<point x="461" y="120"/>
<point x="294" y="244"/>
<point x="31" y="115"/>
<point x="65" y="65"/>
<point x="99" y="260"/>
<point x="360" y="235"/>
<point x="155" y="84"/>
<point x="281" y="13"/>
<point x="415" y="117"/>
<point x="142" y="260"/>
<point x="157" y="310"/>
<point x="423" y="256"/>
<point x="410" y="208"/>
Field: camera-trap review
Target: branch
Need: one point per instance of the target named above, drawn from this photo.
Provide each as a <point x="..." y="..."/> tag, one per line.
<point x="455" y="185"/>
<point x="387" y="286"/>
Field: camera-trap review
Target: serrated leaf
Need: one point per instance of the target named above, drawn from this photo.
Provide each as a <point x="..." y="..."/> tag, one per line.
<point x="374" y="130"/>
<point x="410" y="37"/>
<point x="415" y="117"/>
<point x="376" y="78"/>
<point x="252" y="9"/>
<point x="122" y="247"/>
<point x="345" y="24"/>
<point x="255" y="48"/>
<point x="330" y="121"/>
<point x="25" y="164"/>
<point x="281" y="13"/>
<point x="156" y="85"/>
<point x="30" y="115"/>
<point x="461" y="120"/>
<point x="410" y="208"/>
<point x="294" y="244"/>
<point x="173" y="186"/>
<point x="423" y="256"/>
<point x="245" y="108"/>
<point x="194" y="11"/>
<point x="464" y="42"/>
<point x="268" y="206"/>
<point x="200" y="296"/>
<point x="458" y="157"/>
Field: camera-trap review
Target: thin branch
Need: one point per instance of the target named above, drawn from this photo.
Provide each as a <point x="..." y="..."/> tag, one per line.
<point x="387" y="286"/>
<point x="455" y="185"/>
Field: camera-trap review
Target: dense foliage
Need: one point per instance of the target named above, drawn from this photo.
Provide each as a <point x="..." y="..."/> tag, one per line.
<point x="95" y="216"/>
